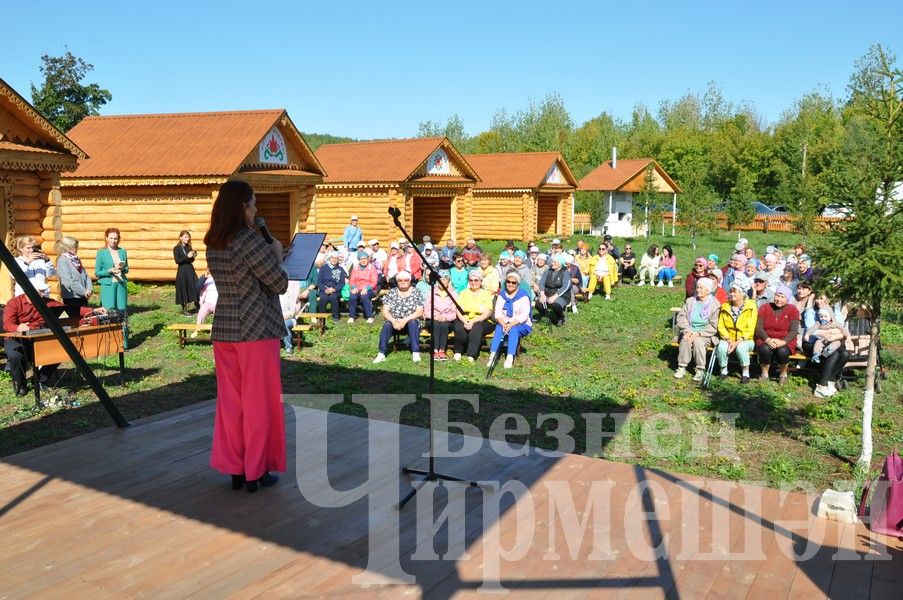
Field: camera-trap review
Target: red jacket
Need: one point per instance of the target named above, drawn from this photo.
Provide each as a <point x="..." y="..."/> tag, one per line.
<point x="20" y="310"/>
<point x="363" y="278"/>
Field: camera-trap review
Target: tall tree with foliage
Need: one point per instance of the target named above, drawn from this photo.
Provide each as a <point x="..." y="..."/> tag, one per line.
<point x="62" y="98"/>
<point x="453" y="130"/>
<point x="696" y="205"/>
<point x="647" y="204"/>
<point x="739" y="207"/>
<point x="864" y="253"/>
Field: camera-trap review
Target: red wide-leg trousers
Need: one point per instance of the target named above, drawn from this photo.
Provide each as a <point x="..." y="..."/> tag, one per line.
<point x="249" y="430"/>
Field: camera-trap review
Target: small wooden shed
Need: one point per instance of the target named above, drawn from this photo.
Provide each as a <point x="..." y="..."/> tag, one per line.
<point x="621" y="179"/>
<point x="522" y="195"/>
<point x="154" y="175"/>
<point x="33" y="153"/>
<point x="426" y="178"/>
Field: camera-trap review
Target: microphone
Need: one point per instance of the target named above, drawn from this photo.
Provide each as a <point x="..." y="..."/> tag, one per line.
<point x="395" y="212"/>
<point x="262" y="225"/>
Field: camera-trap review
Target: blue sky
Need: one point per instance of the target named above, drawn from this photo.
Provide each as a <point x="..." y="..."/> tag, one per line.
<point x="377" y="69"/>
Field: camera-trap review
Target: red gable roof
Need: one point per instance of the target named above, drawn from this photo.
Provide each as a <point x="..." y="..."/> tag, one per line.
<point x="604" y="178"/>
<point x="176" y="145"/>
<point x="385" y="161"/>
<point x="517" y="170"/>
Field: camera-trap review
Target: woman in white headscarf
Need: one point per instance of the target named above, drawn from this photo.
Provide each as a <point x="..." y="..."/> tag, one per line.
<point x="697" y="325"/>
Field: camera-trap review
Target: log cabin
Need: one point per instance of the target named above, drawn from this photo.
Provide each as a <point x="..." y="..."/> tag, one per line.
<point x="522" y="195"/>
<point x="33" y="154"/>
<point x="426" y="178"/>
<point x="619" y="180"/>
<point x="154" y="175"/>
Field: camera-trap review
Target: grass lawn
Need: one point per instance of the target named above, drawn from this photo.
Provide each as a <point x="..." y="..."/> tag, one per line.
<point x="611" y="358"/>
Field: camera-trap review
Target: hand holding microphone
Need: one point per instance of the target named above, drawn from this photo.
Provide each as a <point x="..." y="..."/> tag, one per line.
<point x="275" y="245"/>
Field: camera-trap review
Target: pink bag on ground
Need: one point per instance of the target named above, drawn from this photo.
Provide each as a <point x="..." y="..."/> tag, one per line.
<point x="886" y="510"/>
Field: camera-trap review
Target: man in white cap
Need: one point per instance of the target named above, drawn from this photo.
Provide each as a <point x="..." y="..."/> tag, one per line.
<point x="377" y="254"/>
<point x="352" y="235"/>
<point x="426" y="240"/>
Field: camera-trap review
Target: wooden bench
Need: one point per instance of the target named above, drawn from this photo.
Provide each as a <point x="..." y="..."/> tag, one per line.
<point x="183" y="328"/>
<point x="298" y="334"/>
<point x="795" y="357"/>
<point x="317" y="319"/>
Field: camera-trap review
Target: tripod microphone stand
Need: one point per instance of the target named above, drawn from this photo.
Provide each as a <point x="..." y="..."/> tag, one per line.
<point x="430" y="473"/>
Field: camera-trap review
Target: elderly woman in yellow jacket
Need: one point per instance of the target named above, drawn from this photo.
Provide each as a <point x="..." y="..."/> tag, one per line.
<point x="737" y="328"/>
<point x="604" y="270"/>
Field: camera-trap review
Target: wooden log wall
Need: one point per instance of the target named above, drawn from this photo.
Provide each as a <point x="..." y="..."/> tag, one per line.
<point x="332" y="210"/>
<point x="567" y="215"/>
<point x="499" y="216"/>
<point x="149" y="227"/>
<point x="31" y="207"/>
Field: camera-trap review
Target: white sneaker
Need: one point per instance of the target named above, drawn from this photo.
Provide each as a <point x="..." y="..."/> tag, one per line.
<point x="608" y="296"/>
<point x="457" y="356"/>
<point x="680" y="372"/>
<point x="641" y="283"/>
<point x="660" y="284"/>
<point x="589" y="296"/>
<point x="832" y="387"/>
<point x="351" y="319"/>
<point x="509" y="361"/>
<point x="670" y="284"/>
<point x="415" y="356"/>
<point x="698" y="375"/>
<point x="370" y="320"/>
<point x="470" y="358"/>
<point x="822" y="391"/>
<point x="574" y="309"/>
<point x="379" y="358"/>
<point x="491" y="358"/>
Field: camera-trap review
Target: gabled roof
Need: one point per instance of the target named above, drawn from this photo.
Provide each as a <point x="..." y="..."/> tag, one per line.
<point x="604" y="178"/>
<point x="180" y="144"/>
<point x="387" y="161"/>
<point x="32" y="133"/>
<point x="518" y="170"/>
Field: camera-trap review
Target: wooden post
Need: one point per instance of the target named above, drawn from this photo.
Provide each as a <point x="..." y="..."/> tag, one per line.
<point x="673" y="213"/>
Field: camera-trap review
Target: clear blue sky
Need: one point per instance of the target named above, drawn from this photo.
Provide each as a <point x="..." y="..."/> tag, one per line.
<point x="376" y="69"/>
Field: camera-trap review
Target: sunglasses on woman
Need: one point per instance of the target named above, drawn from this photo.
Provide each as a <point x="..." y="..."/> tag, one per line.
<point x="511" y="281"/>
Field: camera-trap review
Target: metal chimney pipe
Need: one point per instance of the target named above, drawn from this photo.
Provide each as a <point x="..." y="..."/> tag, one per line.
<point x="614" y="157"/>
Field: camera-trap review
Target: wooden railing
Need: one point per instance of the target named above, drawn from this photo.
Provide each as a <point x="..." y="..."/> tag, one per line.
<point x="766" y="223"/>
<point x="582" y="222"/>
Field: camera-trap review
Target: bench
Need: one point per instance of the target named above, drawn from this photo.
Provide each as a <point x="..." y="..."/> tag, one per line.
<point x="183" y="328"/>
<point x="298" y="334"/>
<point x="317" y="319"/>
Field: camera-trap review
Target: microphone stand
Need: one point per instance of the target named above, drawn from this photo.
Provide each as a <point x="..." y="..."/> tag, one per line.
<point x="430" y="474"/>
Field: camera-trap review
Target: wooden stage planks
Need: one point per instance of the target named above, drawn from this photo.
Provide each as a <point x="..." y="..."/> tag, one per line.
<point x="137" y="511"/>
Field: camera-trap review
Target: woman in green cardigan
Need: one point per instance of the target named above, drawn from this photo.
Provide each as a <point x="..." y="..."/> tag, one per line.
<point x="110" y="267"/>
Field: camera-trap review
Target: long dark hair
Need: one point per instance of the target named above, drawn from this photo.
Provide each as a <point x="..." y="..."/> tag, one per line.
<point x="228" y="215"/>
<point x="652" y="251"/>
<point x="668" y="248"/>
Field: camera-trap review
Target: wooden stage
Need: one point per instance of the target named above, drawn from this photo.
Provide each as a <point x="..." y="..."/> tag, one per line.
<point x="137" y="512"/>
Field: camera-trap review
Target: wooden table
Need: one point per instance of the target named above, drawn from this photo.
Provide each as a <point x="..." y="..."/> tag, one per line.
<point x="91" y="341"/>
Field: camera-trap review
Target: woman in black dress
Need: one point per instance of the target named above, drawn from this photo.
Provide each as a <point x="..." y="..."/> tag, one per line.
<point x="186" y="279"/>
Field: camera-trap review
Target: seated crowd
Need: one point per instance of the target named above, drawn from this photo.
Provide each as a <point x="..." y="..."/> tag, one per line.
<point x="765" y="306"/>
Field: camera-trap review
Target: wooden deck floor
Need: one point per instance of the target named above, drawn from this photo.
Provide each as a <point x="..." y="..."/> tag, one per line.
<point x="137" y="512"/>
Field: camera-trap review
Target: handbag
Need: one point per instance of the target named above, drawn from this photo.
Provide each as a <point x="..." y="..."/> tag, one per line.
<point x="886" y="509"/>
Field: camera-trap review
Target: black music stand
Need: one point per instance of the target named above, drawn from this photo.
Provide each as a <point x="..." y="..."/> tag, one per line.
<point x="53" y="323"/>
<point x="430" y="474"/>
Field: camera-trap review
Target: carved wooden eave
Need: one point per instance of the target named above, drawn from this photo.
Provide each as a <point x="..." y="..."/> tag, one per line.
<point x="460" y="162"/>
<point x="354" y="184"/>
<point x="25" y="161"/>
<point x="480" y="191"/>
<point x="29" y="114"/>
<point x="140" y="181"/>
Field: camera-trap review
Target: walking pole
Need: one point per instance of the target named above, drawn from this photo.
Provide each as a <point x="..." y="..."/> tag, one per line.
<point x="707" y="379"/>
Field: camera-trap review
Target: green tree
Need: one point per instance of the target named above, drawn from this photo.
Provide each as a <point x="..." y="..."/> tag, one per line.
<point x="696" y="205"/>
<point x="739" y="209"/>
<point x="453" y="130"/>
<point x="62" y="98"/>
<point x="647" y="204"/>
<point x="862" y="254"/>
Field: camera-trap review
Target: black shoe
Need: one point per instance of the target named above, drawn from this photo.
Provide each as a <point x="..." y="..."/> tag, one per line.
<point x="238" y="482"/>
<point x="722" y="376"/>
<point x="20" y="390"/>
<point x="268" y="480"/>
<point x="744" y="379"/>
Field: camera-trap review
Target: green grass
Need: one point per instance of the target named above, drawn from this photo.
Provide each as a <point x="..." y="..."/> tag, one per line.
<point x="612" y="357"/>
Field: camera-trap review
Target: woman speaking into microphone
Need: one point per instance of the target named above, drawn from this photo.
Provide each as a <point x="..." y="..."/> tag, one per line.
<point x="249" y="430"/>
